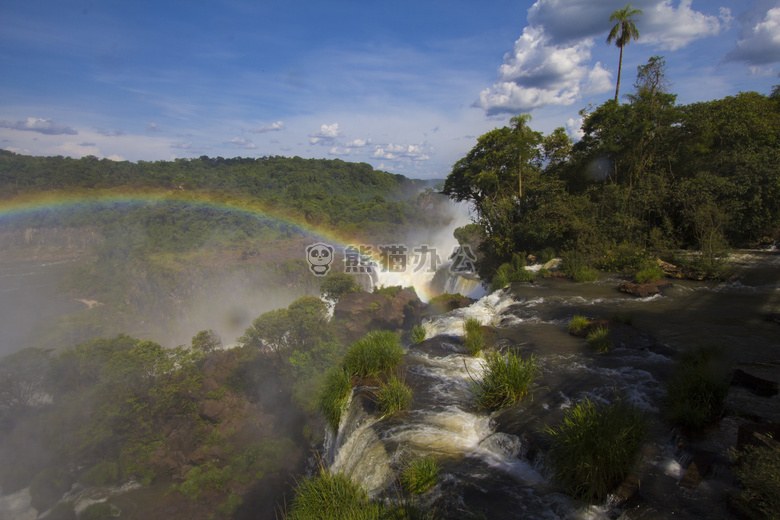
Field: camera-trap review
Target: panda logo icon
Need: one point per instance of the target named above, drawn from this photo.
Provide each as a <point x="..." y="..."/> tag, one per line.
<point x="319" y="257"/>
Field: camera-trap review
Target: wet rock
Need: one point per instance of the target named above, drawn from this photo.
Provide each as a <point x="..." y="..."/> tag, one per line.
<point x="757" y="385"/>
<point x="48" y="486"/>
<point x="356" y="314"/>
<point x="762" y="435"/>
<point x="644" y="290"/>
<point x="449" y="302"/>
<point x="671" y="270"/>
<point x="692" y="477"/>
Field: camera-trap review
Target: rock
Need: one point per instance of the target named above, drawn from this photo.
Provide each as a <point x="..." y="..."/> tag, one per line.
<point x="213" y="410"/>
<point x="356" y="314"/>
<point x="48" y="486"/>
<point x="671" y="270"/>
<point x="645" y="289"/>
<point x="552" y="264"/>
<point x="757" y="385"/>
<point x="445" y="303"/>
<point x="758" y="435"/>
<point x="692" y="477"/>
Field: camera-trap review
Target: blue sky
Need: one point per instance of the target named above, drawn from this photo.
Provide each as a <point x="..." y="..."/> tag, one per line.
<point x="406" y="86"/>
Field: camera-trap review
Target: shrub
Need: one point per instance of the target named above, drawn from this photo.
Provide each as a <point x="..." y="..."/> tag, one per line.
<point x="594" y="447"/>
<point x="418" y="334"/>
<point x="377" y="352"/>
<point x="337" y="285"/>
<point x="578" y="324"/>
<point x="333" y="397"/>
<point x="100" y="474"/>
<point x="577" y="266"/>
<point x="649" y="272"/>
<point x="599" y="339"/>
<point x="545" y="255"/>
<point x="420" y="475"/>
<point x="758" y="470"/>
<point x="393" y="396"/>
<point x="331" y="496"/>
<point x="696" y="392"/>
<point x="474" y="337"/>
<point x="506" y="381"/>
<point x="509" y="272"/>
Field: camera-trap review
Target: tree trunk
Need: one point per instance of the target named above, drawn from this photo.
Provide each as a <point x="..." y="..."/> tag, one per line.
<point x="620" y="68"/>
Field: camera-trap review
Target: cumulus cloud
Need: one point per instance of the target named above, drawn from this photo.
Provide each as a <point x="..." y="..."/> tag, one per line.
<point x="42" y="126"/>
<point x="390" y="152"/>
<point x="759" y="38"/>
<point x="539" y="72"/>
<point x="273" y="127"/>
<point x="240" y="142"/>
<point x="358" y="143"/>
<point x="326" y="135"/>
<point x="671" y="28"/>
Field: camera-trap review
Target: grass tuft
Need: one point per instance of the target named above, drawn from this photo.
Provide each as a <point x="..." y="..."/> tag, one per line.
<point x="474" y="339"/>
<point x="506" y="381"/>
<point x="599" y="339"/>
<point x="418" y="334"/>
<point x="594" y="447"/>
<point x="649" y="272"/>
<point x="333" y="397"/>
<point x="377" y="352"/>
<point x="696" y="392"/>
<point x="393" y="396"/>
<point x="578" y="324"/>
<point x="420" y="475"/>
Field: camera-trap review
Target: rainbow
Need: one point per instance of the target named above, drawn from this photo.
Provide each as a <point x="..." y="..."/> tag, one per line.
<point x="84" y="199"/>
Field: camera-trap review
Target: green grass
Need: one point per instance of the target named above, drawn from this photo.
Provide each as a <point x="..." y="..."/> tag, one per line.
<point x="377" y="352"/>
<point x="578" y="324"/>
<point x="585" y="274"/>
<point x="420" y="475"/>
<point x="594" y="447"/>
<point x="393" y="396"/>
<point x="333" y="397"/>
<point x="599" y="339"/>
<point x="696" y="392"/>
<point x="474" y="339"/>
<point x="509" y="272"/>
<point x="418" y="334"/>
<point x="506" y="381"/>
<point x="333" y="496"/>
<point x="758" y="470"/>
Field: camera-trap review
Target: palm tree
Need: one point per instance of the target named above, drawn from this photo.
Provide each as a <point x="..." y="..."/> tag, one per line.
<point x="623" y="32"/>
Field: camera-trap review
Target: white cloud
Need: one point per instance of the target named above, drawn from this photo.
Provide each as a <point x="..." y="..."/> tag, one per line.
<point x="240" y="142"/>
<point x="670" y="28"/>
<point x="326" y="135"/>
<point x="358" y="143"/>
<point x="759" y="42"/>
<point x="273" y="127"/>
<point x="110" y="133"/>
<point x="538" y="73"/>
<point x="394" y="152"/>
<point x="182" y="146"/>
<point x="152" y="127"/>
<point x="42" y="126"/>
<point x="574" y="128"/>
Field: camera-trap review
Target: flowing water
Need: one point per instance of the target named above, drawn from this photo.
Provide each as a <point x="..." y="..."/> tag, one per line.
<point x="492" y="462"/>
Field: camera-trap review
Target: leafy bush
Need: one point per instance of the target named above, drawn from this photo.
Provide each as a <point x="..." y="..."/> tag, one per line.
<point x="506" y="380"/>
<point x="420" y="475"/>
<point x="696" y="392"/>
<point x="377" y="352"/>
<point x="545" y="255"/>
<point x="577" y="266"/>
<point x="333" y="397"/>
<point x="578" y="324"/>
<point x="337" y="285"/>
<point x="594" y="447"/>
<point x="393" y="396"/>
<point x="599" y="339"/>
<point x="474" y="337"/>
<point x="624" y="257"/>
<point x="418" y="334"/>
<point x="509" y="272"/>
<point x="758" y="470"/>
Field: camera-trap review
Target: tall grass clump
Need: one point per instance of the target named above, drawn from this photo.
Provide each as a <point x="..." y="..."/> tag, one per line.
<point x="420" y="475"/>
<point x="333" y="397"/>
<point x="696" y="392"/>
<point x="758" y="471"/>
<point x="474" y="339"/>
<point x="333" y="496"/>
<point x="578" y="268"/>
<point x="418" y="334"/>
<point x="506" y="381"/>
<point x="649" y="272"/>
<point x="578" y="324"/>
<point x="377" y="352"/>
<point x="594" y="447"/>
<point x="393" y="396"/>
<point x="599" y="339"/>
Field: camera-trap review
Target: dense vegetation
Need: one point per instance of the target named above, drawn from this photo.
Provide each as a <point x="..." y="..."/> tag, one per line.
<point x="646" y="175"/>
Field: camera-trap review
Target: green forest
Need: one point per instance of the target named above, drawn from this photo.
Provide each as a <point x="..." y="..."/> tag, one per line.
<point x="647" y="177"/>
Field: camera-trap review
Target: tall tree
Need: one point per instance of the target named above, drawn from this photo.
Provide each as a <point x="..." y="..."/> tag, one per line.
<point x="622" y="33"/>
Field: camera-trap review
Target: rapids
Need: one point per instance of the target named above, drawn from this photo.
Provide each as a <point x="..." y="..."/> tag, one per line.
<point x="493" y="463"/>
